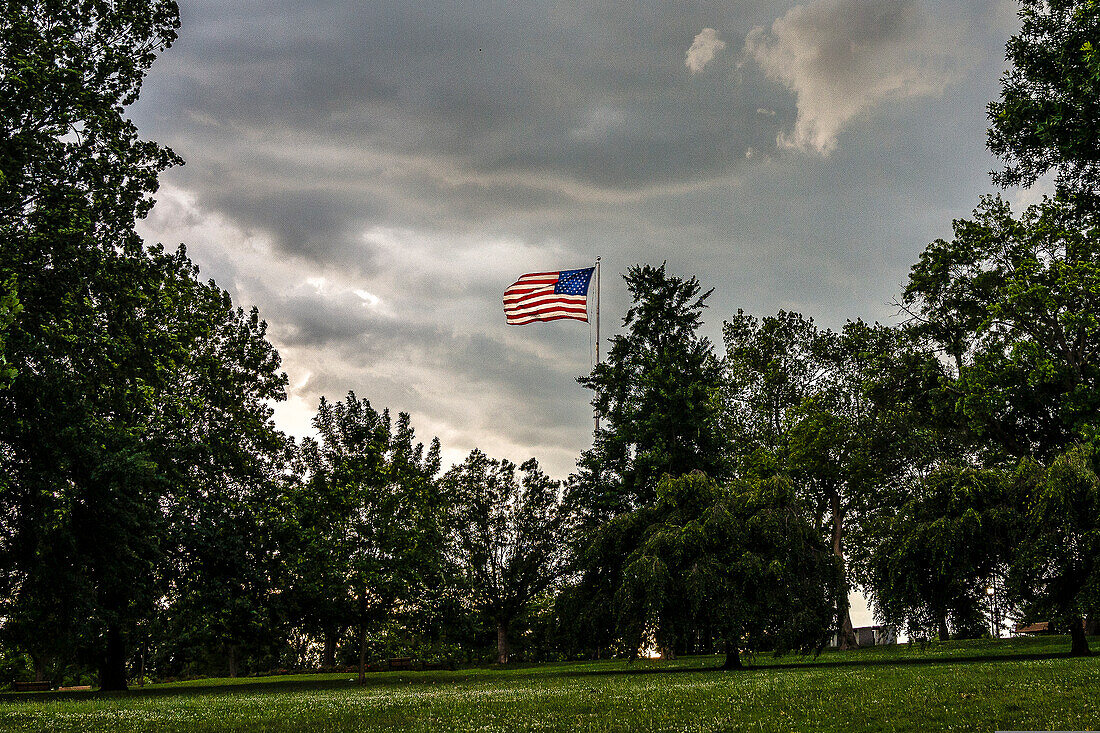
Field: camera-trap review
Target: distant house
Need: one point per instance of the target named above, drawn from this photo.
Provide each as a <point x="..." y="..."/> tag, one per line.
<point x="870" y="636"/>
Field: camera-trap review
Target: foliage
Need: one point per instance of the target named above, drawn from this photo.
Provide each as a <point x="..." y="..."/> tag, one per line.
<point x="369" y="518"/>
<point x="1048" y="116"/>
<point x="1015" y="303"/>
<point x="738" y="560"/>
<point x="771" y="367"/>
<point x="508" y="535"/>
<point x="140" y="393"/>
<point x="1056" y="568"/>
<point x="935" y="556"/>
<point x="656" y="395"/>
<point x="844" y="415"/>
<point x="9" y="309"/>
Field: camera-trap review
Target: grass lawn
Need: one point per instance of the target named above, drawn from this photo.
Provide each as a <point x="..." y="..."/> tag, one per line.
<point x="964" y="686"/>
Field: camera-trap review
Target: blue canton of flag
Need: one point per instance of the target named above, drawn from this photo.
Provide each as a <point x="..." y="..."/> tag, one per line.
<point x="574" y="282"/>
<point x="548" y="296"/>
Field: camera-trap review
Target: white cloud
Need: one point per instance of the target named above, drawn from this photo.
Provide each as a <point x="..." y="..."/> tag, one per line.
<point x="842" y="58"/>
<point x="703" y="50"/>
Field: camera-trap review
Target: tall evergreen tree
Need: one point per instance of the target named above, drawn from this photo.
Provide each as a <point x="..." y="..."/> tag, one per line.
<point x="657" y="397"/>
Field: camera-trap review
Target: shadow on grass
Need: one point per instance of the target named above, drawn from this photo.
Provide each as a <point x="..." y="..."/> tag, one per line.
<point x="198" y="687"/>
<point x="843" y="663"/>
<point x="278" y="686"/>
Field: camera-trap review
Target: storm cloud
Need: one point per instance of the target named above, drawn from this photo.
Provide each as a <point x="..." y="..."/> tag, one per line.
<point x="373" y="175"/>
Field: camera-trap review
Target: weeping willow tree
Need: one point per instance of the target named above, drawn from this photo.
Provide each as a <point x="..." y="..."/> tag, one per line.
<point x="735" y="561"/>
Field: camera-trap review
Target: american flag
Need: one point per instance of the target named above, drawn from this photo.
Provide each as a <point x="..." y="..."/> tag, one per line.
<point x="548" y="296"/>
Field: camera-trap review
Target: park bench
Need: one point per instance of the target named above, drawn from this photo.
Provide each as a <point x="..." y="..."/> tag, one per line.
<point x="401" y="663"/>
<point x="39" y="686"/>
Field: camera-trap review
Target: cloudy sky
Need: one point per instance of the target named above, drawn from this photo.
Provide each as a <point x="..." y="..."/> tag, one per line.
<point x="373" y="175"/>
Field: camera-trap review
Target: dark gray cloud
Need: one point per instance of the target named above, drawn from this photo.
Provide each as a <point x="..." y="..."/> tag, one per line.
<point x="372" y="175"/>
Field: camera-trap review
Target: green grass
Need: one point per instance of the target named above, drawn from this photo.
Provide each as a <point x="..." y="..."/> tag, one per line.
<point x="963" y="686"/>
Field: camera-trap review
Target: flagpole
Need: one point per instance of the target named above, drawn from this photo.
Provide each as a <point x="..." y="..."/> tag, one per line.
<point x="597" y="333"/>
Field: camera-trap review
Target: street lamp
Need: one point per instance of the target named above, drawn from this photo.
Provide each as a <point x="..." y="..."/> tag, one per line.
<point x="990" y="591"/>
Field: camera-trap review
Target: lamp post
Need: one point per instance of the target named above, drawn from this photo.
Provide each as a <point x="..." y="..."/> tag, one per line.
<point x="992" y="620"/>
<point x="990" y="591"/>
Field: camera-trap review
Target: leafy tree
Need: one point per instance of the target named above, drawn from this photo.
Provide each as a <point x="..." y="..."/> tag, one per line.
<point x="218" y="446"/>
<point x="82" y="495"/>
<point x="1056" y="570"/>
<point x="1014" y="302"/>
<point x="316" y="533"/>
<point x="771" y="367"/>
<point x="508" y="535"/>
<point x="1048" y="116"/>
<point x="844" y="449"/>
<point x="847" y="416"/>
<point x="739" y="560"/>
<point x="379" y="525"/>
<point x="935" y="556"/>
<point x="656" y="395"/>
<point x="138" y="388"/>
<point x="9" y="309"/>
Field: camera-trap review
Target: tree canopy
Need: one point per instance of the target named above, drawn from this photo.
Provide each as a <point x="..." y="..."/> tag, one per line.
<point x="1048" y="116"/>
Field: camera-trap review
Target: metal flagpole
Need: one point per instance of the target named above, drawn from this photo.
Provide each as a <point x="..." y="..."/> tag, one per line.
<point x="597" y="333"/>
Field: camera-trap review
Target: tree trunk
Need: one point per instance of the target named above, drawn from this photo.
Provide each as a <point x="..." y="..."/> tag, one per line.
<point x="233" y="660"/>
<point x="328" y="656"/>
<point x="112" y="667"/>
<point x="846" y="638"/>
<point x="944" y="635"/>
<point x="39" y="668"/>
<point x="502" y="642"/>
<point x="733" y="657"/>
<point x="363" y="652"/>
<point x="1079" y="643"/>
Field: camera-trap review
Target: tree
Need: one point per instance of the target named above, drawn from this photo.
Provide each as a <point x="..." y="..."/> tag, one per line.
<point x="9" y="309"/>
<point x="936" y="555"/>
<point x="771" y="367"/>
<point x="738" y="560"/>
<point x="1015" y="303"/>
<point x="384" y="536"/>
<point x="1056" y="570"/>
<point x="1048" y="115"/>
<point x="508" y="534"/>
<point x="92" y="345"/>
<point x="848" y="450"/>
<point x="657" y="397"/>
<point x="138" y="388"/>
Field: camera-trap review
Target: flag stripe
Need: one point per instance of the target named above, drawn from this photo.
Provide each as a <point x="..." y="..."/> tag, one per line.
<point x="521" y="295"/>
<point x="543" y="297"/>
<point x="579" y="313"/>
<point x="547" y="317"/>
<point x="536" y="307"/>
